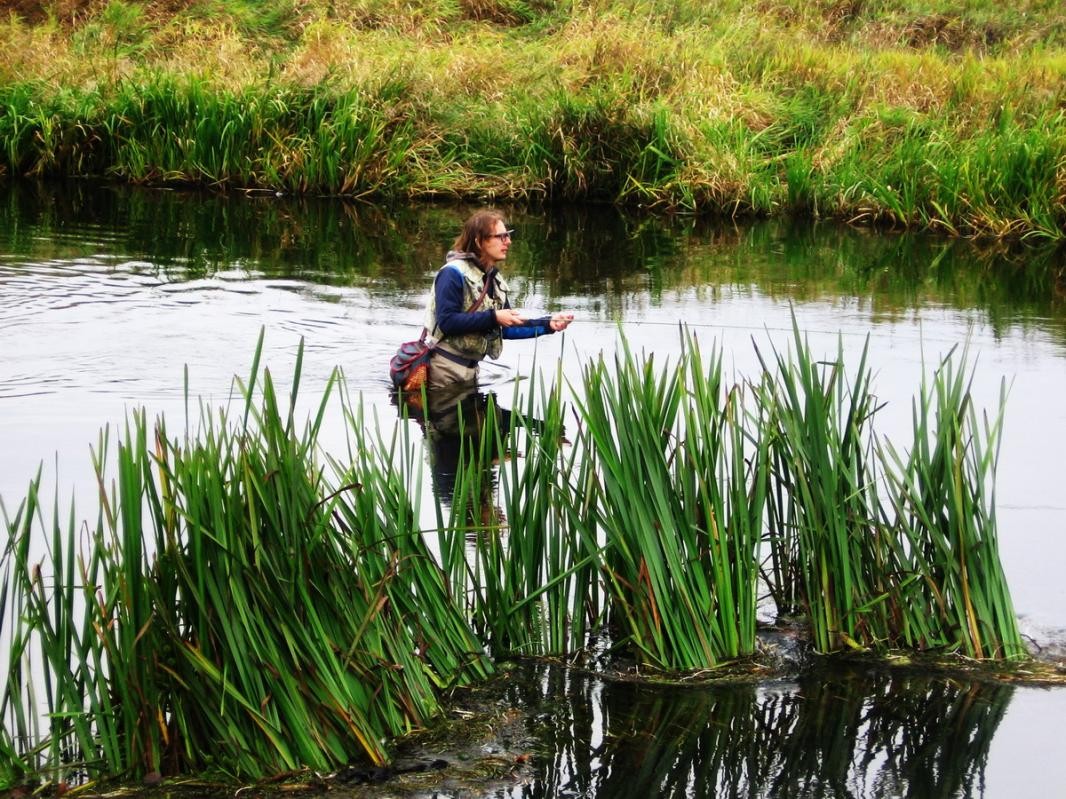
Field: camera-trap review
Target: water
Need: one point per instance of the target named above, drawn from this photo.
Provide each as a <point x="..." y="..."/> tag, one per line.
<point x="832" y="733"/>
<point x="111" y="299"/>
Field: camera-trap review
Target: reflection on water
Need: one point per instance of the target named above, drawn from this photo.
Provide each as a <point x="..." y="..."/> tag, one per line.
<point x="453" y="424"/>
<point x="108" y="296"/>
<point x="600" y="255"/>
<point x="841" y="733"/>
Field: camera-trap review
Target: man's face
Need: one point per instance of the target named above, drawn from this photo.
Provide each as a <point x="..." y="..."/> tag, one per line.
<point x="495" y="246"/>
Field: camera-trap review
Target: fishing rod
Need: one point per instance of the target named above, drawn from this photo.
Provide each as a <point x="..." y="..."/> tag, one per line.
<point x="767" y="329"/>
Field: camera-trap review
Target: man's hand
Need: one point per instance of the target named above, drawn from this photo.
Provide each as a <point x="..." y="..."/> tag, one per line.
<point x="560" y="321"/>
<point x="508" y="317"/>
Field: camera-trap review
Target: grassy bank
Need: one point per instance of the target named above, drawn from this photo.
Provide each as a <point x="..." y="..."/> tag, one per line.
<point x="909" y="114"/>
<point x="249" y="604"/>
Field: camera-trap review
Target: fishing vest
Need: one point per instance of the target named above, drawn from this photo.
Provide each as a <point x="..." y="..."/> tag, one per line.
<point x="474" y="346"/>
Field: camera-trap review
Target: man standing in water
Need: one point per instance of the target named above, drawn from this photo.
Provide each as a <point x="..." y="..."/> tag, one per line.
<point x="469" y="312"/>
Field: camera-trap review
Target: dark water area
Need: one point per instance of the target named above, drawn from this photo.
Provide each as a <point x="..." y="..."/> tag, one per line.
<point x="110" y="298"/>
<point x="835" y="732"/>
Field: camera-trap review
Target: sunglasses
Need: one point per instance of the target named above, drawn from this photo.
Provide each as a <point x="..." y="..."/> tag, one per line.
<point x="505" y="236"/>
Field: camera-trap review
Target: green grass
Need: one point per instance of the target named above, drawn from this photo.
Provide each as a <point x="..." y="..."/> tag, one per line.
<point x="686" y="496"/>
<point x="919" y="114"/>
<point x="873" y="541"/>
<point x="247" y="603"/>
<point x="231" y="610"/>
<point x="681" y="537"/>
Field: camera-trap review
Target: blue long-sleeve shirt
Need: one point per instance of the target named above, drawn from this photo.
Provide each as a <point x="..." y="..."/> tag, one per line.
<point x="454" y="320"/>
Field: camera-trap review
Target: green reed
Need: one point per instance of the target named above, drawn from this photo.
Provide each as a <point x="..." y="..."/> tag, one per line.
<point x="943" y="493"/>
<point x="873" y="545"/>
<point x="997" y="180"/>
<point x="825" y="481"/>
<point x="529" y="581"/>
<point x="294" y="140"/>
<point x="656" y="518"/>
<point x="679" y="507"/>
<point x="247" y="603"/>
<point x="231" y="609"/>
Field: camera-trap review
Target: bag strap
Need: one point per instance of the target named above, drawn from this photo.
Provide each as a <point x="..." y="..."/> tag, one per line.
<point x="489" y="276"/>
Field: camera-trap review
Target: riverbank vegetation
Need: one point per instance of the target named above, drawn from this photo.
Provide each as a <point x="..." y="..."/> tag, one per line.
<point x="915" y="114"/>
<point x="250" y="600"/>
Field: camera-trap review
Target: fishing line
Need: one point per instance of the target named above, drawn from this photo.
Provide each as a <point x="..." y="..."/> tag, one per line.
<point x="750" y="329"/>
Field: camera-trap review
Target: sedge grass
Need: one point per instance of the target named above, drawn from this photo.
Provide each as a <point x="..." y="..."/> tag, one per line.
<point x="945" y="119"/>
<point x="943" y="492"/>
<point x="241" y="597"/>
<point x="675" y="488"/>
<point x="881" y="542"/>
<point x="232" y="610"/>
<point x="680" y="552"/>
<point x="532" y="584"/>
<point x="825" y="469"/>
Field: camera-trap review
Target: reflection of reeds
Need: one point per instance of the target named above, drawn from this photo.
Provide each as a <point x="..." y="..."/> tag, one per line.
<point x="840" y="733"/>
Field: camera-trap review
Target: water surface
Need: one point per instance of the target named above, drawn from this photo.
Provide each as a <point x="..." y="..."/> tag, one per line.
<point x="111" y="299"/>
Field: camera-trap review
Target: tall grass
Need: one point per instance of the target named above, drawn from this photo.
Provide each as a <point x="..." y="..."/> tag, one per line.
<point x="686" y="497"/>
<point x="826" y="481"/>
<point x="874" y="544"/>
<point x="526" y="570"/>
<point x="681" y="534"/>
<point x="231" y="609"/>
<point x="249" y="603"/>
<point x="918" y="115"/>
<point x="943" y="493"/>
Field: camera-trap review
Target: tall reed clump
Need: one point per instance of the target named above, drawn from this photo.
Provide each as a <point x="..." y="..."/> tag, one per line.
<point x="943" y="495"/>
<point x="656" y="519"/>
<point x="529" y="575"/>
<point x="679" y="506"/>
<point x="233" y="610"/>
<point x="250" y="604"/>
<point x="826" y="477"/>
<point x="647" y="517"/>
<point x="873" y="545"/>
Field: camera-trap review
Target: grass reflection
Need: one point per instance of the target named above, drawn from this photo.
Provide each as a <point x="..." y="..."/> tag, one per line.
<point x="601" y="255"/>
<point x="833" y="733"/>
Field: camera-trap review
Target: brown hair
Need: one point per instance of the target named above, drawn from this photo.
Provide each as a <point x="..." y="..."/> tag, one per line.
<point x="479" y="226"/>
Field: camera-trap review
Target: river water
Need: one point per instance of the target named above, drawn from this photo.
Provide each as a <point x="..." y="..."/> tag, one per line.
<point x="109" y="296"/>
